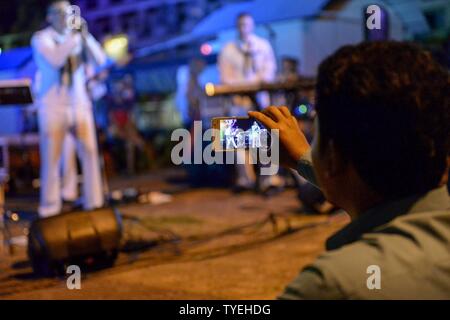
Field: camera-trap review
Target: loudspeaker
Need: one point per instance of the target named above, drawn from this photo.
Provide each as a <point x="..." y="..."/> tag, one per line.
<point x="90" y="239"/>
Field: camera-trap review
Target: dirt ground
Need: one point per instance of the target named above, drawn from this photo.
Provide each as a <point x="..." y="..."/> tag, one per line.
<point x="228" y="247"/>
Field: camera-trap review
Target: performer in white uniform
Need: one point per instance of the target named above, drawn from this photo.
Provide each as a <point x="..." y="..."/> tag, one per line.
<point x="248" y="59"/>
<point x="255" y="135"/>
<point x="62" y="56"/>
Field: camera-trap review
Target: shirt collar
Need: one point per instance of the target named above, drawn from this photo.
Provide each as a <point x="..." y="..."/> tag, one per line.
<point x="252" y="39"/>
<point x="436" y="199"/>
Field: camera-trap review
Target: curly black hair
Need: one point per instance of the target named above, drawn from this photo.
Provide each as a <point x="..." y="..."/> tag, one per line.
<point x="386" y="105"/>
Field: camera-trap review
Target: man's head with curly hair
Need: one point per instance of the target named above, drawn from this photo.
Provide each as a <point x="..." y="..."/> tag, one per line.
<point x="385" y="107"/>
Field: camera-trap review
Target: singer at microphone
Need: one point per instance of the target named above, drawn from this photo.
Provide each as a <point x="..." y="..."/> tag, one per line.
<point x="62" y="54"/>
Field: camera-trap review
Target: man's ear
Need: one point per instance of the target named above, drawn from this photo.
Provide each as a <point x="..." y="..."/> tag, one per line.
<point x="335" y="161"/>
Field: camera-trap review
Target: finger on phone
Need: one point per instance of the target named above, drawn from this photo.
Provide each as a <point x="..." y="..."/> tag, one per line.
<point x="265" y="120"/>
<point x="274" y="113"/>
<point x="295" y="122"/>
<point x="285" y="111"/>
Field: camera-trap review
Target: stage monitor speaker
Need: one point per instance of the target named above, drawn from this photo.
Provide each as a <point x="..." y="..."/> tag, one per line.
<point x="89" y="239"/>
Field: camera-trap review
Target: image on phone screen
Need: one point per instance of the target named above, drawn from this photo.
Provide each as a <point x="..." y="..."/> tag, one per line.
<point x="242" y="133"/>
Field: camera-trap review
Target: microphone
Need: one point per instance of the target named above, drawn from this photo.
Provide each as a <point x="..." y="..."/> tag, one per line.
<point x="73" y="19"/>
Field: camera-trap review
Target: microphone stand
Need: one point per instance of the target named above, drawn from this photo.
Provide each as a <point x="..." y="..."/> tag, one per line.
<point x="105" y="181"/>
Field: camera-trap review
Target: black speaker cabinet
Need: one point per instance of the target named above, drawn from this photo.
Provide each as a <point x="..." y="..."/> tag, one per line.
<point x="90" y="239"/>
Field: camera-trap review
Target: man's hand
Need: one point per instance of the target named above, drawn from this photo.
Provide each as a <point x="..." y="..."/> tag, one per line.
<point x="293" y="143"/>
<point x="84" y="29"/>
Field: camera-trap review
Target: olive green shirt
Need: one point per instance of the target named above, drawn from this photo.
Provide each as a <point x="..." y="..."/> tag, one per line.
<point x="408" y="240"/>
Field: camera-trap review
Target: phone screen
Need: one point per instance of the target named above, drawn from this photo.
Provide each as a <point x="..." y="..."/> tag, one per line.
<point x="242" y="133"/>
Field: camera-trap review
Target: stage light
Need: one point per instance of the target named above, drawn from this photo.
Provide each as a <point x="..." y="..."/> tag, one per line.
<point x="206" y="49"/>
<point x="15" y="217"/>
<point x="209" y="89"/>
<point x="117" y="47"/>
<point x="302" y="109"/>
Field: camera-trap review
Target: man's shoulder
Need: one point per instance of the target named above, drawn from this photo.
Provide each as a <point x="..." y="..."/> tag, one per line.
<point x="260" y="39"/>
<point x="336" y="274"/>
<point x="402" y="265"/>
<point x="408" y="258"/>
<point x="261" y="42"/>
<point x="46" y="32"/>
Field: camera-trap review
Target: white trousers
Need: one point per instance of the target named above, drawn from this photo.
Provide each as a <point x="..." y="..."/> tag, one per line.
<point x="54" y="125"/>
<point x="69" y="188"/>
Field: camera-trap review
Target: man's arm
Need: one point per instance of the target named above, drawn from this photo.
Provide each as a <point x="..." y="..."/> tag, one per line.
<point x="305" y="168"/>
<point x="55" y="54"/>
<point x="95" y="50"/>
<point x="295" y="151"/>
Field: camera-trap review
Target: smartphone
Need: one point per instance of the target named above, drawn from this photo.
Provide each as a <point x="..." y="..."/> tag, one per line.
<point x="239" y="133"/>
